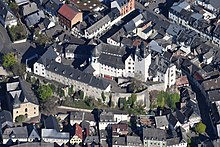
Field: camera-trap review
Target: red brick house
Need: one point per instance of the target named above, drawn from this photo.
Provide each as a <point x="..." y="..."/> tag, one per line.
<point x="69" y="16"/>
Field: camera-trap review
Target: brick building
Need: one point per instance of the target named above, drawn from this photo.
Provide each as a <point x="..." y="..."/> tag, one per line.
<point x="69" y="16"/>
<point x="124" y="6"/>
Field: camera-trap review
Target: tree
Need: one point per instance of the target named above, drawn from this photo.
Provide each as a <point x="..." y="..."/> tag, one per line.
<point x="81" y="94"/>
<point x="18" y="69"/>
<point x="20" y="119"/>
<point x="103" y="96"/>
<point x="161" y="100"/>
<point x="44" y="92"/>
<point x="41" y="39"/>
<point x="131" y="100"/>
<point x="110" y="100"/>
<point x="53" y="87"/>
<point x="9" y="60"/>
<point x="200" y="128"/>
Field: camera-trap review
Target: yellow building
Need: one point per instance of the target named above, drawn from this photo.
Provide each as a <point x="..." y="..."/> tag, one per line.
<point x="21" y="99"/>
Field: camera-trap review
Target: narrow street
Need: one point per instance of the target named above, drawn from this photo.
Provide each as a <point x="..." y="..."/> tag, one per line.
<point x="203" y="106"/>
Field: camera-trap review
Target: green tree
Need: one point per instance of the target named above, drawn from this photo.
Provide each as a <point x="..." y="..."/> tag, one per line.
<point x="20" y="119"/>
<point x="44" y="92"/>
<point x="131" y="100"/>
<point x="41" y="39"/>
<point x="172" y="99"/>
<point x="70" y="90"/>
<point x="9" y="60"/>
<point x="200" y="128"/>
<point x="103" y="96"/>
<point x="53" y="87"/>
<point x="18" y="69"/>
<point x="81" y="94"/>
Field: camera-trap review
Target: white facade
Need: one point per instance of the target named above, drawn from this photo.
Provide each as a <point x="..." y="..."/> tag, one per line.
<point x="104" y="124"/>
<point x="184" y="144"/>
<point x="154" y="143"/>
<point x="40" y="70"/>
<point x="120" y="117"/>
<point x="141" y="67"/>
<point x="52" y="136"/>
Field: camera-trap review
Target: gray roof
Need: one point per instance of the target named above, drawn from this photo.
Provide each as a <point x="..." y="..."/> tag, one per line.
<point x="92" y="139"/>
<point x="215" y="3"/>
<point x="21" y="92"/>
<point x="154" y="46"/>
<point x="6" y="118"/>
<point x="106" y="116"/>
<point x="79" y="115"/>
<point x="34" y="18"/>
<point x="119" y="141"/>
<point x="5" y="12"/>
<point x="154" y="134"/>
<point x="29" y="8"/>
<point x="161" y="121"/>
<point x="51" y="123"/>
<point x="17" y="132"/>
<point x="97" y="25"/>
<point x="174" y="29"/>
<point x="74" y="74"/>
<point x="122" y="3"/>
<point x="51" y="133"/>
<point x="34" y="144"/>
<point x="133" y="141"/>
<point x="111" y="55"/>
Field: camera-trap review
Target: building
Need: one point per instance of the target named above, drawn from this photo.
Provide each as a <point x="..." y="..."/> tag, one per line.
<point x="161" y="122"/>
<point x="52" y="6"/>
<point x="12" y="135"/>
<point x="153" y="137"/>
<point x="77" y="135"/>
<point x="111" y="62"/>
<point x="7" y="18"/>
<point x="21" y="99"/>
<point x="6" y="119"/>
<point x="69" y="16"/>
<point x="124" y="6"/>
<point x="52" y="136"/>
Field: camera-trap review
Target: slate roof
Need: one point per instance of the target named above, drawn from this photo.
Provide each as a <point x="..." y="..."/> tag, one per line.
<point x="6" y="13"/>
<point x="91" y="139"/>
<point x="72" y="73"/>
<point x="21" y="92"/>
<point x="215" y="4"/>
<point x="6" y="117"/>
<point x="161" y="121"/>
<point x="122" y="3"/>
<point x="52" y="5"/>
<point x="34" y="18"/>
<point x="29" y="8"/>
<point x="68" y="12"/>
<point x="51" y="123"/>
<point x="51" y="133"/>
<point x="34" y="144"/>
<point x="79" y="115"/>
<point x="119" y="141"/>
<point x="153" y="134"/>
<point x="106" y="116"/>
<point x="17" y="132"/>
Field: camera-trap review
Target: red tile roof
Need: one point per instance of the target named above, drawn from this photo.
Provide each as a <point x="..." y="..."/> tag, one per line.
<point x="78" y="131"/>
<point x="68" y="12"/>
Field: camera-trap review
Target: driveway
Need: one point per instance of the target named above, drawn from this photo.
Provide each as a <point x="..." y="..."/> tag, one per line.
<point x="5" y="42"/>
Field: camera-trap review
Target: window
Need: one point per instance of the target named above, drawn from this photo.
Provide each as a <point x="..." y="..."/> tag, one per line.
<point x="16" y="111"/>
<point x="34" y="108"/>
<point x="129" y="67"/>
<point x="34" y="112"/>
<point x="25" y="110"/>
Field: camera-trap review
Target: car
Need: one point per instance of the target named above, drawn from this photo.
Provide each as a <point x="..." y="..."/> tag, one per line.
<point x="157" y="10"/>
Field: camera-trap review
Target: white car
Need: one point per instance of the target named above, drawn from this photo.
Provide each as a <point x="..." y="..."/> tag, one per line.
<point x="157" y="10"/>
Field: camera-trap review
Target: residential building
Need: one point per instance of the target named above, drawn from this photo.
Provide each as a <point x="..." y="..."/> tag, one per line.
<point x="76" y="117"/>
<point x="91" y="141"/>
<point x="50" y="67"/>
<point x="21" y="99"/>
<point x="29" y="9"/>
<point x="69" y="16"/>
<point x="127" y="141"/>
<point x="77" y="135"/>
<point x="12" y="135"/>
<point x="52" y="136"/>
<point x="153" y="137"/>
<point x="52" y="6"/>
<point x="34" y="18"/>
<point x="7" y="18"/>
<point x="161" y="122"/>
<point x="124" y="6"/>
<point x="118" y="129"/>
<point x="6" y="119"/>
<point x="106" y="118"/>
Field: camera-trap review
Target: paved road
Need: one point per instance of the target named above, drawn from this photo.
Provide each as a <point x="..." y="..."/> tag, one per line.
<point x="5" y="42"/>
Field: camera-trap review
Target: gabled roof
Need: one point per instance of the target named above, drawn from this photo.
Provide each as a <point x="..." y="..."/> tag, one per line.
<point x="6" y="117"/>
<point x="51" y="123"/>
<point x="68" y="12"/>
<point x="6" y="13"/>
<point x="29" y="8"/>
<point x="77" y="131"/>
<point x="17" y="132"/>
